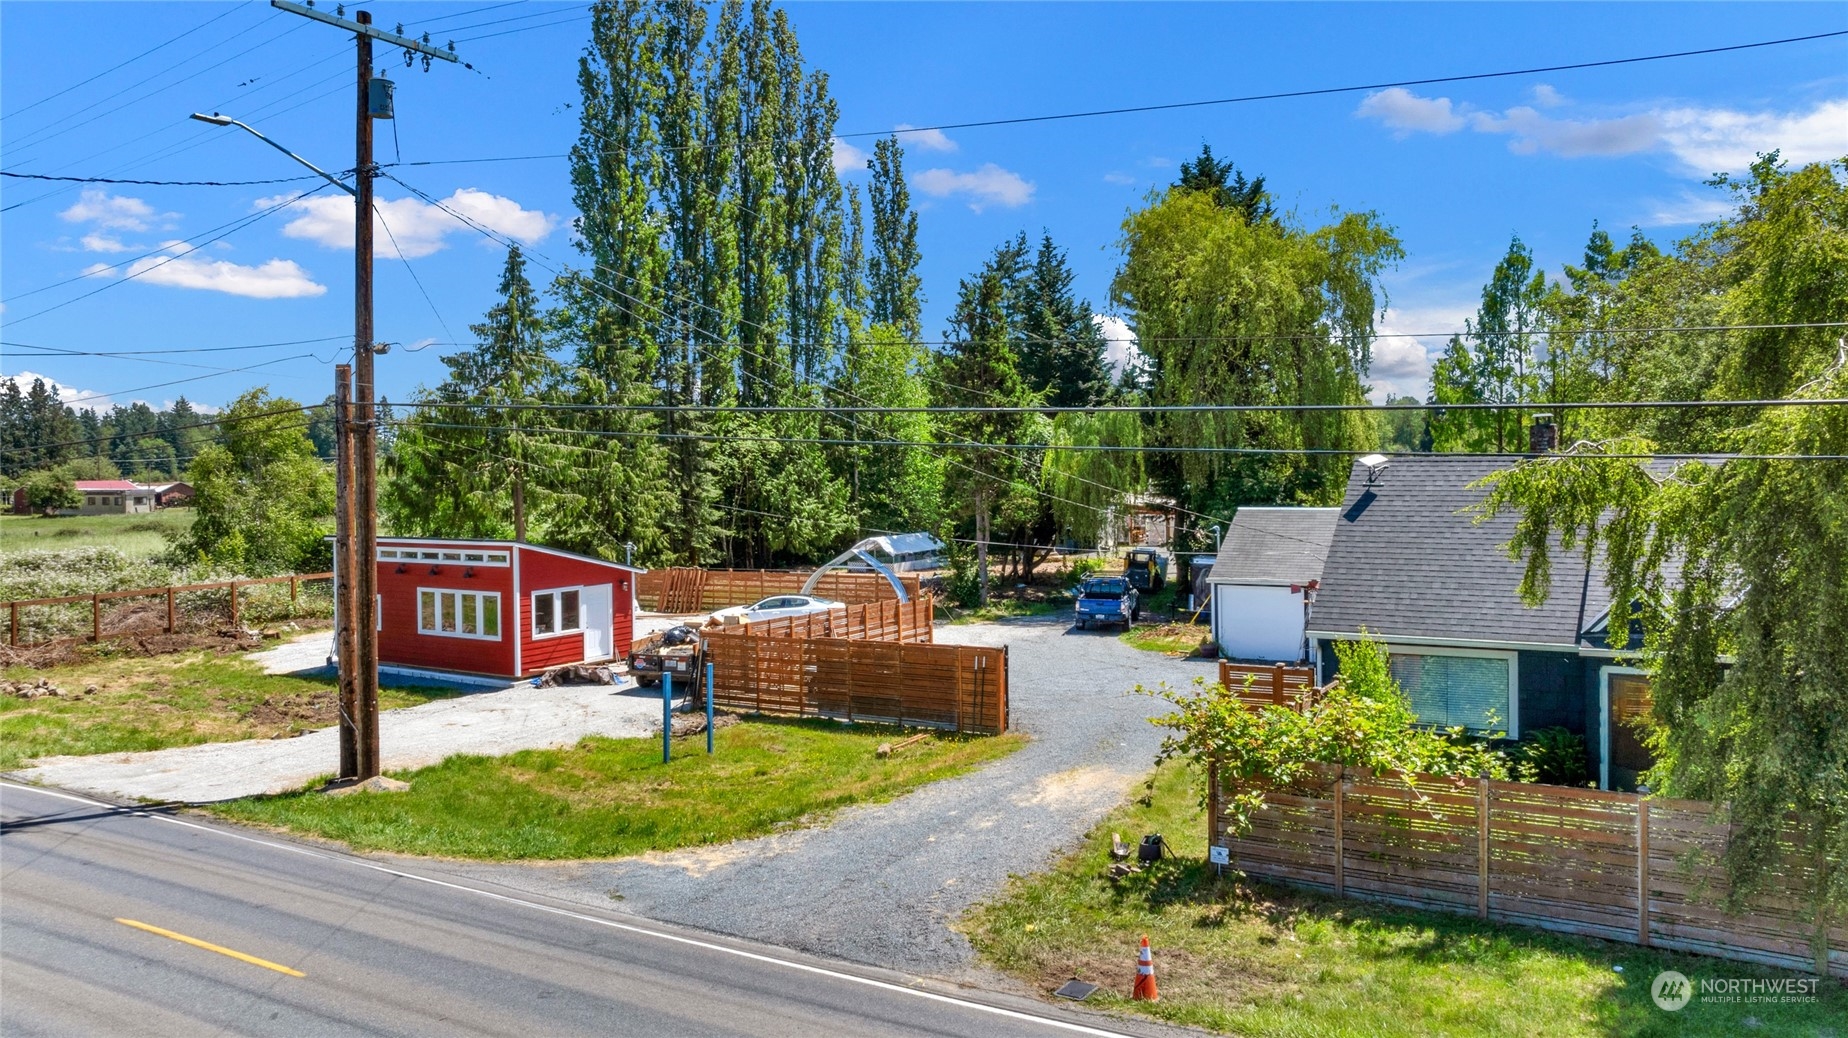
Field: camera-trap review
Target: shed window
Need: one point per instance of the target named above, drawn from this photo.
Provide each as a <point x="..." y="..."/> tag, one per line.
<point x="1450" y="689"/>
<point x="458" y="614"/>
<point x="556" y="612"/>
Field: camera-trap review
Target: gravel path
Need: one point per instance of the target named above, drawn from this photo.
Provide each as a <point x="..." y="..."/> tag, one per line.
<point x="882" y="883"/>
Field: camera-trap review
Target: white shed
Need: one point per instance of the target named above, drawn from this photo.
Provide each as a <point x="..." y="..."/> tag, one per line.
<point x="1264" y="581"/>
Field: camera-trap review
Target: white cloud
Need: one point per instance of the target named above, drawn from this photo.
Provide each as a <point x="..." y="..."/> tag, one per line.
<point x="1121" y="349"/>
<point x="847" y="157"/>
<point x="1546" y="96"/>
<point x="276" y="279"/>
<point x="97" y="241"/>
<point x="418" y="227"/>
<point x="1120" y="179"/>
<point x="989" y="185"/>
<point x="1687" y="209"/>
<point x="98" y="270"/>
<point x="1402" y="359"/>
<point x="1533" y="132"/>
<point x="86" y="400"/>
<point x="114" y="212"/>
<point x="1702" y="140"/>
<point x="926" y="140"/>
<point x="1407" y="113"/>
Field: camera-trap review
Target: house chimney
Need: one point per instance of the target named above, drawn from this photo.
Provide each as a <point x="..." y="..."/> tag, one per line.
<point x="1543" y="435"/>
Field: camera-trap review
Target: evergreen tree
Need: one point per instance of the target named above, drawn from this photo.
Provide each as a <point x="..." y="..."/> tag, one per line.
<point x="1061" y="347"/>
<point x="894" y="287"/>
<point x="1493" y="361"/>
<point x="1226" y="186"/>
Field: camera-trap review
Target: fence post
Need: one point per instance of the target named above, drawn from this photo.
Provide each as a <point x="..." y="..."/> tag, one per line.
<point x="96" y="618"/>
<point x="234" y="605"/>
<point x="1340" y="840"/>
<point x="1642" y="871"/>
<point x="1482" y="848"/>
<point x="1277" y="684"/>
<point x="169" y="608"/>
<point x="12" y="626"/>
<point x="292" y="589"/>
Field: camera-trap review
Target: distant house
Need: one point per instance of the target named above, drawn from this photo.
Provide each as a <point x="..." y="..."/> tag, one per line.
<point x="108" y="497"/>
<point x="1264" y="581"/>
<point x="167" y="495"/>
<point x="1409" y="565"/>
<point x="499" y="608"/>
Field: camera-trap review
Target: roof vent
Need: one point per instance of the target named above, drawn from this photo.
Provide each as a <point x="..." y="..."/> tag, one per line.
<point x="1543" y="435"/>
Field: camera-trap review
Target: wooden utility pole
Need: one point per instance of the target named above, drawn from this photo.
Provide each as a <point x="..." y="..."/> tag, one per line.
<point x="357" y="584"/>
<point x="346" y="647"/>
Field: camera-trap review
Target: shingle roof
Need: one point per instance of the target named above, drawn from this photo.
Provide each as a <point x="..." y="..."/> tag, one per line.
<point x="1406" y="563"/>
<point x="1275" y="546"/>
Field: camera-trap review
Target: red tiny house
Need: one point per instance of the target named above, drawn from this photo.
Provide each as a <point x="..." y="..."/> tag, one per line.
<point x="499" y="608"/>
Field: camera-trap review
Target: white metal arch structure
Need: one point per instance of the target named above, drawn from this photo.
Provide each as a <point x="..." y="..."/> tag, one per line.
<point x="859" y="551"/>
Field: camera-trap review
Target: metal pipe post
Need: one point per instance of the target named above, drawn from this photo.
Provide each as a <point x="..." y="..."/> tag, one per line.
<point x="667" y="717"/>
<point x="709" y="709"/>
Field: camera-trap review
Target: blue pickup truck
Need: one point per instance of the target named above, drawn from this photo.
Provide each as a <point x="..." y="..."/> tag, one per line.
<point x="1103" y="601"/>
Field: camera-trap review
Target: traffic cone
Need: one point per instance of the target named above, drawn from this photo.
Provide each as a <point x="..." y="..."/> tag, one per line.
<point x="1145" y="975"/>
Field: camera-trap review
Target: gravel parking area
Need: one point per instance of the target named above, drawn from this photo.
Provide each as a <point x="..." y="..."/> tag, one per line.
<point x="882" y="884"/>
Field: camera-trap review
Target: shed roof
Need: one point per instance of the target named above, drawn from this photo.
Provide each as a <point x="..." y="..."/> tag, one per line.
<point x="96" y="486"/>
<point x="1274" y="546"/>
<point x="506" y="545"/>
<point x="1408" y="562"/>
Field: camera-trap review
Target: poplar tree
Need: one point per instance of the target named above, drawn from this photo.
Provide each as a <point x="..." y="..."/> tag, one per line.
<point x="894" y="288"/>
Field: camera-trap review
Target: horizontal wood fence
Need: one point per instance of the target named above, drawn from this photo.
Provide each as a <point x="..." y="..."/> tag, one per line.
<point x="679" y="589"/>
<point x="958" y="687"/>
<point x="887" y="621"/>
<point x="130" y="622"/>
<point x="1610" y="865"/>
<point x="1257" y="686"/>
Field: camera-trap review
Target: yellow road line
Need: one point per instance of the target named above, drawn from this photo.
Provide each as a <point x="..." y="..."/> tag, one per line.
<point x="209" y="946"/>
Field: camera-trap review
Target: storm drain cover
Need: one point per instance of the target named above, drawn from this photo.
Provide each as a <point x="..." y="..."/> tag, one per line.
<point x="1075" y="989"/>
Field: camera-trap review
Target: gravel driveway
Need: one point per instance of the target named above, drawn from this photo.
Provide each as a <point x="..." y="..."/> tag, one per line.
<point x="882" y="883"/>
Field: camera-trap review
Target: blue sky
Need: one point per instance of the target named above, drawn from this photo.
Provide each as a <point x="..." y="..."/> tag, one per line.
<point x="1457" y="168"/>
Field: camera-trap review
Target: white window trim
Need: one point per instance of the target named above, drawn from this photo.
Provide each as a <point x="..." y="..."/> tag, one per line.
<point x="1604" y="719"/>
<point x="438" y="632"/>
<point x="557" y="611"/>
<point x="1514" y="672"/>
<point x="465" y="557"/>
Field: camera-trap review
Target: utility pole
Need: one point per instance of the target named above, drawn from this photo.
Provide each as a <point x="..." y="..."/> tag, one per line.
<point x="346" y="645"/>
<point x="359" y="667"/>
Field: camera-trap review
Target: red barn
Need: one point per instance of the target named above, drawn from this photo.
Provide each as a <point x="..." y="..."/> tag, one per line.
<point x="499" y="608"/>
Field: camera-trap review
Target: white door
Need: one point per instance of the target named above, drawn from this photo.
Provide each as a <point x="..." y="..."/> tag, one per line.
<point x="599" y="622"/>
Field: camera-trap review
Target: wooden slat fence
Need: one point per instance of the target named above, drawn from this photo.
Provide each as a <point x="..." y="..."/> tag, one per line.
<point x="957" y="687"/>
<point x="1610" y="865"/>
<point x="679" y="589"/>
<point x="102" y="624"/>
<point x="887" y="621"/>
<point x="1257" y="686"/>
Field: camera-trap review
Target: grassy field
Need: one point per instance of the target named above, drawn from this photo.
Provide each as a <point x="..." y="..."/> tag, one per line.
<point x="1260" y="960"/>
<point x="138" y="536"/>
<point x="612" y="797"/>
<point x="151" y="703"/>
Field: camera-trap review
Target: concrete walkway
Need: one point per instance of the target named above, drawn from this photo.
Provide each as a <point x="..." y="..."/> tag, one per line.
<point x="488" y="722"/>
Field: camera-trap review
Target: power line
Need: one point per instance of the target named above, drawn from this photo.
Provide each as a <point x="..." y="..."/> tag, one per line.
<point x="120" y="64"/>
<point x="528" y="28"/>
<point x="226" y="420"/>
<point x="1357" y="88"/>
<point x="1138" y="409"/>
<point x="157" y="183"/>
<point x="376" y="211"/>
<point x="186" y="349"/>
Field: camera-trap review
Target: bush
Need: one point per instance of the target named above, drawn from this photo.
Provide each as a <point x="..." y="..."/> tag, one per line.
<point x="1076" y="573"/>
<point x="1556" y="756"/>
<point x="961" y="584"/>
<point x="1362" y="720"/>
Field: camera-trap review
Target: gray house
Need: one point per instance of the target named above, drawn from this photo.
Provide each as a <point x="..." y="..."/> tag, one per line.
<point x="1410" y="566"/>
<point x="1264" y="581"/>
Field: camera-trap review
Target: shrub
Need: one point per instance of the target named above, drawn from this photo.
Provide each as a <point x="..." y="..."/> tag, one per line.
<point x="1555" y="755"/>
<point x="1076" y="573"/>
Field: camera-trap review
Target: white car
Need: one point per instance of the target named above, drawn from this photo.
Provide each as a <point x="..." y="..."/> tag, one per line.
<point x="775" y="608"/>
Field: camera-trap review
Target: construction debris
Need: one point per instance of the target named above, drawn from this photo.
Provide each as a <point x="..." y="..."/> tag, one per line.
<point x="375" y="784"/>
<point x="695" y="723"/>
<point x="887" y="749"/>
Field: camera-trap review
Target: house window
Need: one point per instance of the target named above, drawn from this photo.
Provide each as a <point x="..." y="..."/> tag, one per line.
<point x="458" y="614"/>
<point x="388" y="553"/>
<point x="89" y="499"/>
<point x="556" y="612"/>
<point x="1448" y="688"/>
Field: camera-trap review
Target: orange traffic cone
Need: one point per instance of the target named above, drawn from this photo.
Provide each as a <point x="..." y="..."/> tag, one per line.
<point x="1145" y="975"/>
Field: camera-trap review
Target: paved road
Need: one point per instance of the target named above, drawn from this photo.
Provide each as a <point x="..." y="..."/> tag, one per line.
<point x="883" y="884"/>
<point x="384" y="950"/>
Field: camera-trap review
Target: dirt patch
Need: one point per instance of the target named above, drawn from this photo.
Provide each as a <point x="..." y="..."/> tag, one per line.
<point x="1052" y="789"/>
<point x="221" y="639"/>
<point x="306" y="710"/>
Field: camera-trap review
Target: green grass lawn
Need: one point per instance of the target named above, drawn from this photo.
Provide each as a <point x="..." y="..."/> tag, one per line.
<point x="137" y="536"/>
<point x="1262" y="960"/>
<point x="612" y="797"/>
<point x="151" y="703"/>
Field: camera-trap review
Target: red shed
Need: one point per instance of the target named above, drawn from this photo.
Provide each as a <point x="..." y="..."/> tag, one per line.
<point x="499" y="608"/>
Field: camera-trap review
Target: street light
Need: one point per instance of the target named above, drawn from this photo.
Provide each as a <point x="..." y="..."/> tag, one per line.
<point x="224" y="120"/>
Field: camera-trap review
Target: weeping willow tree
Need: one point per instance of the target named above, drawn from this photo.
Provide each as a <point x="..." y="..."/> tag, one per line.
<point x="1084" y="486"/>
<point x="1234" y="305"/>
